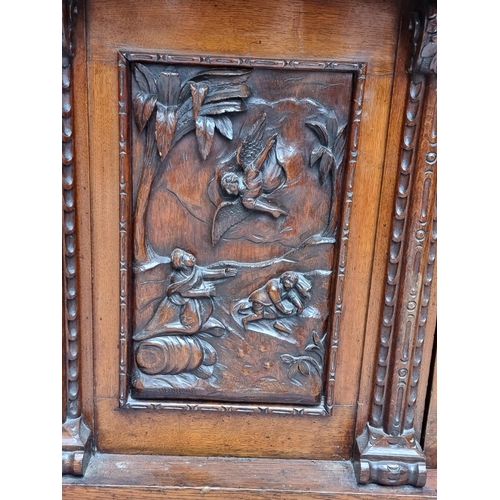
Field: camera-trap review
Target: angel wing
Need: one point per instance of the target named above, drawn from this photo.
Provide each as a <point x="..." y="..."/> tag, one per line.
<point x="273" y="173"/>
<point x="227" y="215"/>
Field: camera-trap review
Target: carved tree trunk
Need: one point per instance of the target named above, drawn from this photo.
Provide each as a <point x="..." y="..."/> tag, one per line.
<point x="141" y="207"/>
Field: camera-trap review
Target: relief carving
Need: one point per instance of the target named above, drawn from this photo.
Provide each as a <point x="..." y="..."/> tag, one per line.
<point x="187" y="306"/>
<point x="279" y="297"/>
<point x="259" y="204"/>
<point x="307" y="364"/>
<point x="168" y="109"/>
<point x="250" y="185"/>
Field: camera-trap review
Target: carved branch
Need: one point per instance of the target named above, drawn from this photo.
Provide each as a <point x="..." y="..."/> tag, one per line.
<point x="387" y="451"/>
<point x="75" y="434"/>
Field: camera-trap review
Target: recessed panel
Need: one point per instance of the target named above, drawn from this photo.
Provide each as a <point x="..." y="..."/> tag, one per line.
<point x="233" y="201"/>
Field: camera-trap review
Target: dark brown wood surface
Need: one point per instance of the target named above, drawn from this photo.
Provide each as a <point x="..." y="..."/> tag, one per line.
<point x="76" y="433"/>
<point x="407" y="318"/>
<point x="233" y="302"/>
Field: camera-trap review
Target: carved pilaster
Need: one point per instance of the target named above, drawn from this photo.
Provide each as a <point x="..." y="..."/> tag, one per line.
<point x="387" y="452"/>
<point x="75" y="434"/>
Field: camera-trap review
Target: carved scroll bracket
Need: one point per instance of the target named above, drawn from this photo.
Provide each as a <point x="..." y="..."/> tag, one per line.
<point x="387" y="452"/>
<point x="75" y="434"/>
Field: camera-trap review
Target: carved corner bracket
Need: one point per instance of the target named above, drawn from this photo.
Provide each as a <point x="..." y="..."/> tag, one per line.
<point x="76" y="438"/>
<point x="388" y="452"/>
<point x="76" y="446"/>
<point x="389" y="460"/>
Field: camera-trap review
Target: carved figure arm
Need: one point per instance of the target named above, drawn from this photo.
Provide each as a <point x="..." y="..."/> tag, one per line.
<point x="214" y="274"/>
<point x="251" y="198"/>
<point x="207" y="291"/>
<point x="274" y="294"/>
<point x="192" y="286"/>
<point x="294" y="298"/>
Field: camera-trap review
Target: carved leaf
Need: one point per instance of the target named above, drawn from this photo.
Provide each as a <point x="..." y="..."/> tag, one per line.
<point x="304" y="367"/>
<point x="169" y="87"/>
<point x="222" y="85"/>
<point x="218" y="79"/>
<point x="166" y="121"/>
<point x="224" y="126"/>
<point x="320" y="130"/>
<point x="228" y="72"/>
<point x="205" y="128"/>
<point x="144" y="79"/>
<point x="339" y="146"/>
<point x="316" y="155"/>
<point x="198" y="93"/>
<point x="286" y="358"/>
<point x="325" y="165"/>
<point x="331" y="129"/>
<point x="292" y="370"/>
<point x="219" y="108"/>
<point x="316" y="338"/>
<point x="225" y="92"/>
<point x="143" y="105"/>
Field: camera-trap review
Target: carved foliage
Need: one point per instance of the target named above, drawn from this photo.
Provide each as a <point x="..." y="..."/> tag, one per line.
<point x="169" y="109"/>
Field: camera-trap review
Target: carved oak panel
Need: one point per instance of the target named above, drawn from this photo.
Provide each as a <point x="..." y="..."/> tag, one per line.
<point x="236" y="185"/>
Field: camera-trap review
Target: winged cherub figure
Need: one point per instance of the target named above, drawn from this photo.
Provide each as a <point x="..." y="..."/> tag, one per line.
<point x="250" y="185"/>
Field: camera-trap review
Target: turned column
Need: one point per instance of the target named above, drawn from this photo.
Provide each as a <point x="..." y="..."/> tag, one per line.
<point x="388" y="452"/>
<point x="76" y="442"/>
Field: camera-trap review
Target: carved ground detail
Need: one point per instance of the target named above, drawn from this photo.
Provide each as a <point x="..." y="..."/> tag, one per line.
<point x="232" y="192"/>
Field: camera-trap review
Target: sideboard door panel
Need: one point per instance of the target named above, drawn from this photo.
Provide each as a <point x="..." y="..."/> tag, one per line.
<point x="235" y="174"/>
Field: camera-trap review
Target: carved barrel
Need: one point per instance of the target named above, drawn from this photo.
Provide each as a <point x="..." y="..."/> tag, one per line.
<point x="172" y="355"/>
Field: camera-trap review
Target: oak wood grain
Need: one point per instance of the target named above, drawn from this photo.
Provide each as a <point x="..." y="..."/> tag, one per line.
<point x="378" y="271"/>
<point x="104" y="180"/>
<point x="145" y="478"/>
<point x="84" y="216"/>
<point x="263" y="29"/>
<point x="364" y="31"/>
<point x="214" y="433"/>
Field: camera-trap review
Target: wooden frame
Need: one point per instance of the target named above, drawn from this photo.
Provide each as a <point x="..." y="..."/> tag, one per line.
<point x="402" y="302"/>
